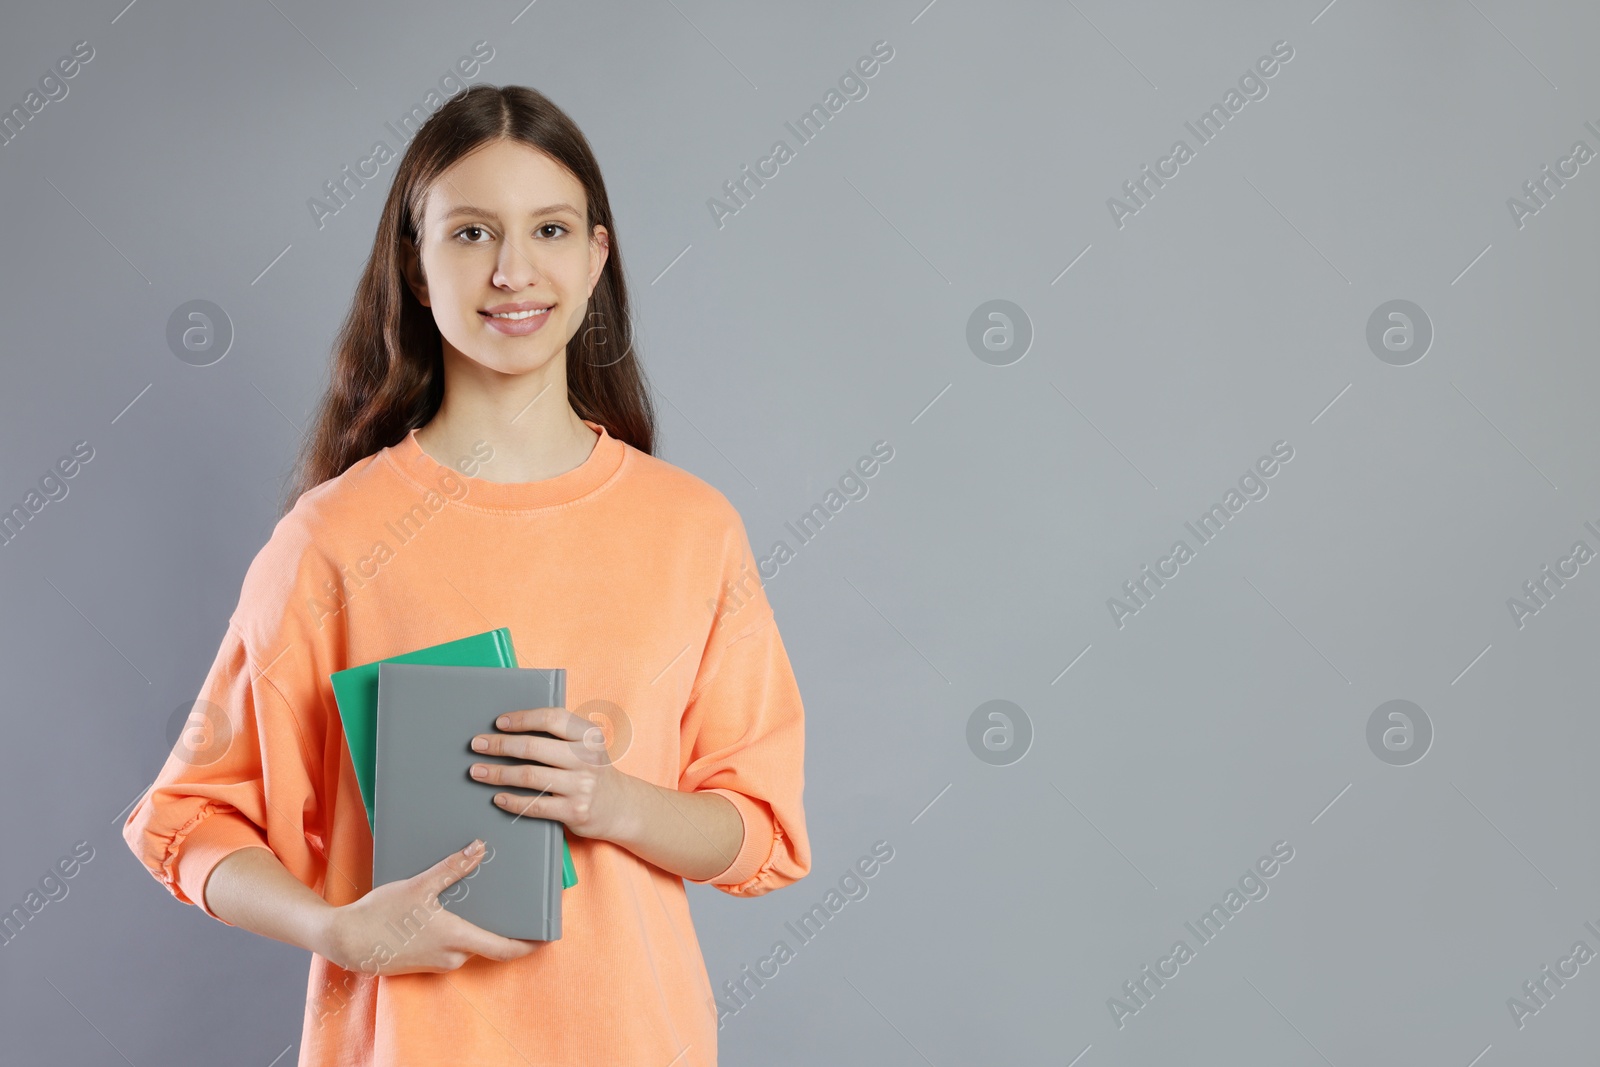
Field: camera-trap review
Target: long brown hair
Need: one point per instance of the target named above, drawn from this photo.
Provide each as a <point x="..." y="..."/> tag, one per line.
<point x="387" y="371"/>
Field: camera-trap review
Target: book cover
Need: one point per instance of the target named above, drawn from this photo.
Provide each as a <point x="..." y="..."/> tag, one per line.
<point x="427" y="804"/>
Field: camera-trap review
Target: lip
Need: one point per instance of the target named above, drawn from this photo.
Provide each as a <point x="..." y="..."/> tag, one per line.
<point x="516" y="327"/>
<point x="521" y="305"/>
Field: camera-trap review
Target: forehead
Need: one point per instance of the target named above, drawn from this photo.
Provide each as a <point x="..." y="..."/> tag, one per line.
<point x="506" y="181"/>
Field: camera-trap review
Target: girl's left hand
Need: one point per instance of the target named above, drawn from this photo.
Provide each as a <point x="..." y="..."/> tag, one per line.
<point x="585" y="792"/>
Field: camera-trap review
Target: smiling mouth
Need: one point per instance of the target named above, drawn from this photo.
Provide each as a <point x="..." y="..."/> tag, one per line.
<point x="515" y="316"/>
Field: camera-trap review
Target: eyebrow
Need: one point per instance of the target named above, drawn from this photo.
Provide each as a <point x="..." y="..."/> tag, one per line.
<point x="548" y="209"/>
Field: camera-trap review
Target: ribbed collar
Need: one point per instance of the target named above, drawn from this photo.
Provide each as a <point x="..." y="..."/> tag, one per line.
<point x="422" y="470"/>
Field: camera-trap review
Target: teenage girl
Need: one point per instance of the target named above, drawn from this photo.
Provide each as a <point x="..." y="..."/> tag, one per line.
<point x="484" y="457"/>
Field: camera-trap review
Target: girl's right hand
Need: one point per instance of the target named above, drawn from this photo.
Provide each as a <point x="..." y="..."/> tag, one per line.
<point x="361" y="935"/>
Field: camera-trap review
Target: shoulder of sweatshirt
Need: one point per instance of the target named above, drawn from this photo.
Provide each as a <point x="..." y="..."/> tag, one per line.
<point x="289" y="613"/>
<point x="291" y="595"/>
<point x="702" y="513"/>
<point x="677" y="495"/>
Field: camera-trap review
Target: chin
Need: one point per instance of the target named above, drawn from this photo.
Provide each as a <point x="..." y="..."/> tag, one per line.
<point x="516" y="363"/>
<point x="506" y="355"/>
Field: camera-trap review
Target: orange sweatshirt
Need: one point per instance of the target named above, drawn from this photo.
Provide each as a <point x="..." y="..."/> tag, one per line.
<point x="635" y="576"/>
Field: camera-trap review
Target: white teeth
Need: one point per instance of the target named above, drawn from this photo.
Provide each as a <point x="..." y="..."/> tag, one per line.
<point x="518" y="314"/>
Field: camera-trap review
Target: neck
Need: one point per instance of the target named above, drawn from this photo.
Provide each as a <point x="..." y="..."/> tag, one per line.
<point x="507" y="428"/>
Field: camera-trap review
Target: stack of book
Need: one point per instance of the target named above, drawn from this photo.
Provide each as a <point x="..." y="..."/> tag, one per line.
<point x="408" y="722"/>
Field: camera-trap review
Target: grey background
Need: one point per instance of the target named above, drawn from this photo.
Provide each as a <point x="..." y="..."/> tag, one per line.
<point x="1228" y="314"/>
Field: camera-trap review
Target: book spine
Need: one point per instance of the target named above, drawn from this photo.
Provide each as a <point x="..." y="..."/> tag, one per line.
<point x="553" y="899"/>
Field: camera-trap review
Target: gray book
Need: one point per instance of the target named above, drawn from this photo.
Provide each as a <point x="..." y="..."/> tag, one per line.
<point x="426" y="804"/>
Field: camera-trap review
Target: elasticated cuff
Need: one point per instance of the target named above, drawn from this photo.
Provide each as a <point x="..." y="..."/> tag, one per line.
<point x="760" y="840"/>
<point x="211" y="836"/>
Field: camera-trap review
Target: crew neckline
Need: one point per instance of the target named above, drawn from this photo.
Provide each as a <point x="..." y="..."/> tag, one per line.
<point x="480" y="494"/>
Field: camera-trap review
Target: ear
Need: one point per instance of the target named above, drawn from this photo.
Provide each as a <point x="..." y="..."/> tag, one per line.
<point x="411" y="267"/>
<point x="599" y="252"/>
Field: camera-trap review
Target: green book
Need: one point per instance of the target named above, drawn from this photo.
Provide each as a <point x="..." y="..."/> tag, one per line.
<point x="356" y="692"/>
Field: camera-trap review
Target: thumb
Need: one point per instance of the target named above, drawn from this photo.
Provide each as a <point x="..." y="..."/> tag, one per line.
<point x="451" y="869"/>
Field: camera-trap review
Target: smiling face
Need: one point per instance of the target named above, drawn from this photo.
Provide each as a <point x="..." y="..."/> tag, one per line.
<point x="503" y="235"/>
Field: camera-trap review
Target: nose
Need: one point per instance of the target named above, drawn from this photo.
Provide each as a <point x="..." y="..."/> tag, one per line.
<point x="514" y="270"/>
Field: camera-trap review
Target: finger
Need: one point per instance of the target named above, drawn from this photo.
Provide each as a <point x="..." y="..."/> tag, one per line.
<point x="547" y="750"/>
<point x="531" y="777"/>
<point x="452" y="868"/>
<point x="468" y="937"/>
<point x="558" y="721"/>
<point x="549" y="806"/>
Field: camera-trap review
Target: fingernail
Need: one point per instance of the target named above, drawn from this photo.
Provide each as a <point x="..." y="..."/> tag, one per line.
<point x="479" y="772"/>
<point x="480" y="744"/>
<point x="470" y="849"/>
<point x="503" y="721"/>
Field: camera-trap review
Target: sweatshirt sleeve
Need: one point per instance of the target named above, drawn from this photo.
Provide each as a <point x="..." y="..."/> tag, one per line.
<point x="244" y="772"/>
<point x="744" y="732"/>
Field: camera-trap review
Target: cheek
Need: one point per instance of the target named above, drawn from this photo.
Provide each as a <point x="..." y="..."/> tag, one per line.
<point x="448" y="276"/>
<point x="448" y="310"/>
<point x="453" y="302"/>
<point x="572" y="305"/>
<point x="571" y="274"/>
